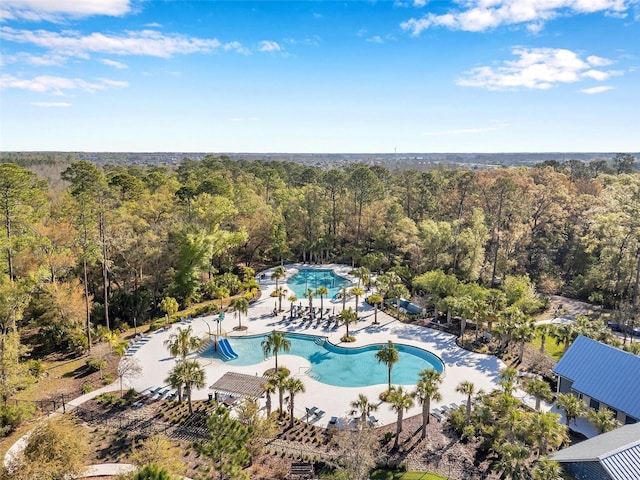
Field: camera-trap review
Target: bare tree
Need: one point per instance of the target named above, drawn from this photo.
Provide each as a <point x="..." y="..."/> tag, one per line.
<point x="357" y="453"/>
<point x="128" y="368"/>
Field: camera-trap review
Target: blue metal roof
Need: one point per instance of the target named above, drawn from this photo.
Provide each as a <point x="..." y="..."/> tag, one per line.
<point x="604" y="373"/>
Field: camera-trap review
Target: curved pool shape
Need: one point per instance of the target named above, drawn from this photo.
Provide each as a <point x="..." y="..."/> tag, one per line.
<point x="339" y="366"/>
<point x="312" y="278"/>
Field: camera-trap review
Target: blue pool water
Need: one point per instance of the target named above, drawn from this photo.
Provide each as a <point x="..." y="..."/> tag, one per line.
<point x="311" y="278"/>
<point x="339" y="366"/>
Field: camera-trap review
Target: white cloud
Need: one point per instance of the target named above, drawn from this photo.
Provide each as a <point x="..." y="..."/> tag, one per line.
<point x="51" y="104"/>
<point x="538" y="68"/>
<point x="114" y="64"/>
<point x="594" y="90"/>
<point x="36" y="60"/>
<point x="420" y="3"/>
<point x="236" y="47"/>
<point x="57" y="85"/>
<point x="375" y="39"/>
<point x="57" y="10"/>
<point x="153" y="25"/>
<point x="269" y="46"/>
<point x="143" y="42"/>
<point x="481" y="15"/>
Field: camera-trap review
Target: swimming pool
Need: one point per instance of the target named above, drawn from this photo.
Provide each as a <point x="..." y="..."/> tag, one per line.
<point x="339" y="366"/>
<point x="311" y="278"/>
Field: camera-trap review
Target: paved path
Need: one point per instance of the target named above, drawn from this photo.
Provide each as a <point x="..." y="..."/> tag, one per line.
<point x="460" y="364"/>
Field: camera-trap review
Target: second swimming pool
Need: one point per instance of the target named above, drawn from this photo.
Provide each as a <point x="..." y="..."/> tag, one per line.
<point x="338" y="366"/>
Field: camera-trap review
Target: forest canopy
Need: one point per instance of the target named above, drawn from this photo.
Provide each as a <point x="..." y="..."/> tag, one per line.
<point x="109" y="243"/>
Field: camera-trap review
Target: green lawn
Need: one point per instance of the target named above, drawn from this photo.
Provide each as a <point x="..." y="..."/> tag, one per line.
<point x="550" y="347"/>
<point x="387" y="475"/>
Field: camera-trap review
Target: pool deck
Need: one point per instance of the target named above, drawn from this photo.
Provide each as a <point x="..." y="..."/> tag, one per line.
<point x="460" y="365"/>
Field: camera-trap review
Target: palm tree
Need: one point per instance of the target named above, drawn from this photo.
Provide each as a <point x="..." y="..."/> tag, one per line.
<point x="348" y="317"/>
<point x="376" y="300"/>
<point x="322" y="291"/>
<point x="546" y="469"/>
<point x="240" y="305"/>
<point x="309" y="294"/>
<point x="293" y="386"/>
<point x="508" y="380"/>
<point x="545" y="430"/>
<point x="182" y="343"/>
<point x="356" y="292"/>
<point x="362" y="274"/>
<point x="279" y="379"/>
<point x="280" y="292"/>
<point x="427" y="390"/>
<point x="175" y="380"/>
<point x="469" y="389"/>
<point x="573" y="407"/>
<point x="511" y="460"/>
<point x="293" y="299"/>
<point x="389" y="355"/>
<point x="522" y="334"/>
<point x="364" y="406"/>
<point x="398" y="291"/>
<point x="268" y="388"/>
<point x="278" y="273"/>
<point x="400" y="401"/>
<point x="274" y="343"/>
<point x="343" y="295"/>
<point x="603" y="420"/>
<point x="544" y="330"/>
<point x="189" y="375"/>
<point x="539" y="389"/>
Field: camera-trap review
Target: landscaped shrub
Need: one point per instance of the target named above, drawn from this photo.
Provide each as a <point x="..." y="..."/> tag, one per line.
<point x="107" y="379"/>
<point x="86" y="387"/>
<point x="13" y="415"/>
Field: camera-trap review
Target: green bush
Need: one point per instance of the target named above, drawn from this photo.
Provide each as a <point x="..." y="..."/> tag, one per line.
<point x="36" y="368"/>
<point x="13" y="415"/>
<point x="130" y="395"/>
<point x="107" y="379"/>
<point x="86" y="388"/>
<point x="96" y="364"/>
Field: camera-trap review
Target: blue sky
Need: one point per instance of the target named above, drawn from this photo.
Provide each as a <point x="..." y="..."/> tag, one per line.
<point x="320" y="76"/>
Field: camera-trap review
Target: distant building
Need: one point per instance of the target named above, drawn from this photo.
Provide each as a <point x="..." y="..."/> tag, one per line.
<point x="613" y="455"/>
<point x="601" y="376"/>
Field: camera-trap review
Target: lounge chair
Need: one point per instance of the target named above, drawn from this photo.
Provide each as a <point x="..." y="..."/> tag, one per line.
<point x="319" y="414"/>
<point x="333" y="422"/>
<point x="154" y="392"/>
<point x="312" y="411"/>
<point x="437" y="414"/>
<point x="373" y="420"/>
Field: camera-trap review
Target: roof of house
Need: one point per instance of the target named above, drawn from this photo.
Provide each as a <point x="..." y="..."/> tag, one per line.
<point x="617" y="451"/>
<point x="602" y="372"/>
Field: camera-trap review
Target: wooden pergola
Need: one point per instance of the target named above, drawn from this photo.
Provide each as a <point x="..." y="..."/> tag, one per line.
<point x="239" y="384"/>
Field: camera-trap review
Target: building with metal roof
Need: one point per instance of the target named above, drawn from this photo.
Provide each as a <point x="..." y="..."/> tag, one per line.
<point x="602" y="376"/>
<point x="613" y="455"/>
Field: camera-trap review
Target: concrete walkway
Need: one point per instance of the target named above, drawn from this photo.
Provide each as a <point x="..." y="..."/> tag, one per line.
<point x="460" y="364"/>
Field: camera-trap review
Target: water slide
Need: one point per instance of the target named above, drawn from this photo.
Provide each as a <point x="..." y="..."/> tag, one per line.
<point x="226" y="350"/>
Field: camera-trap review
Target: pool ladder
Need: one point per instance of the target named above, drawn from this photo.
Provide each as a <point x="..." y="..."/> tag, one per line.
<point x="320" y="341"/>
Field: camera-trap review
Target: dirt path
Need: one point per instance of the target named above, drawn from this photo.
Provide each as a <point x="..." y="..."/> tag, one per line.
<point x="568" y="308"/>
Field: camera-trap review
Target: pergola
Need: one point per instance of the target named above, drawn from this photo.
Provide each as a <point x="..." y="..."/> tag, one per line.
<point x="239" y="384"/>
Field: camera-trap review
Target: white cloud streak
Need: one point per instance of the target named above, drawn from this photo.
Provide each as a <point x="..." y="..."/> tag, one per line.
<point x="269" y="46"/>
<point x="144" y="42"/>
<point x="57" y="85"/>
<point x="482" y="15"/>
<point x="537" y="68"/>
<point x="115" y="64"/>
<point x="594" y="90"/>
<point x="57" y="10"/>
